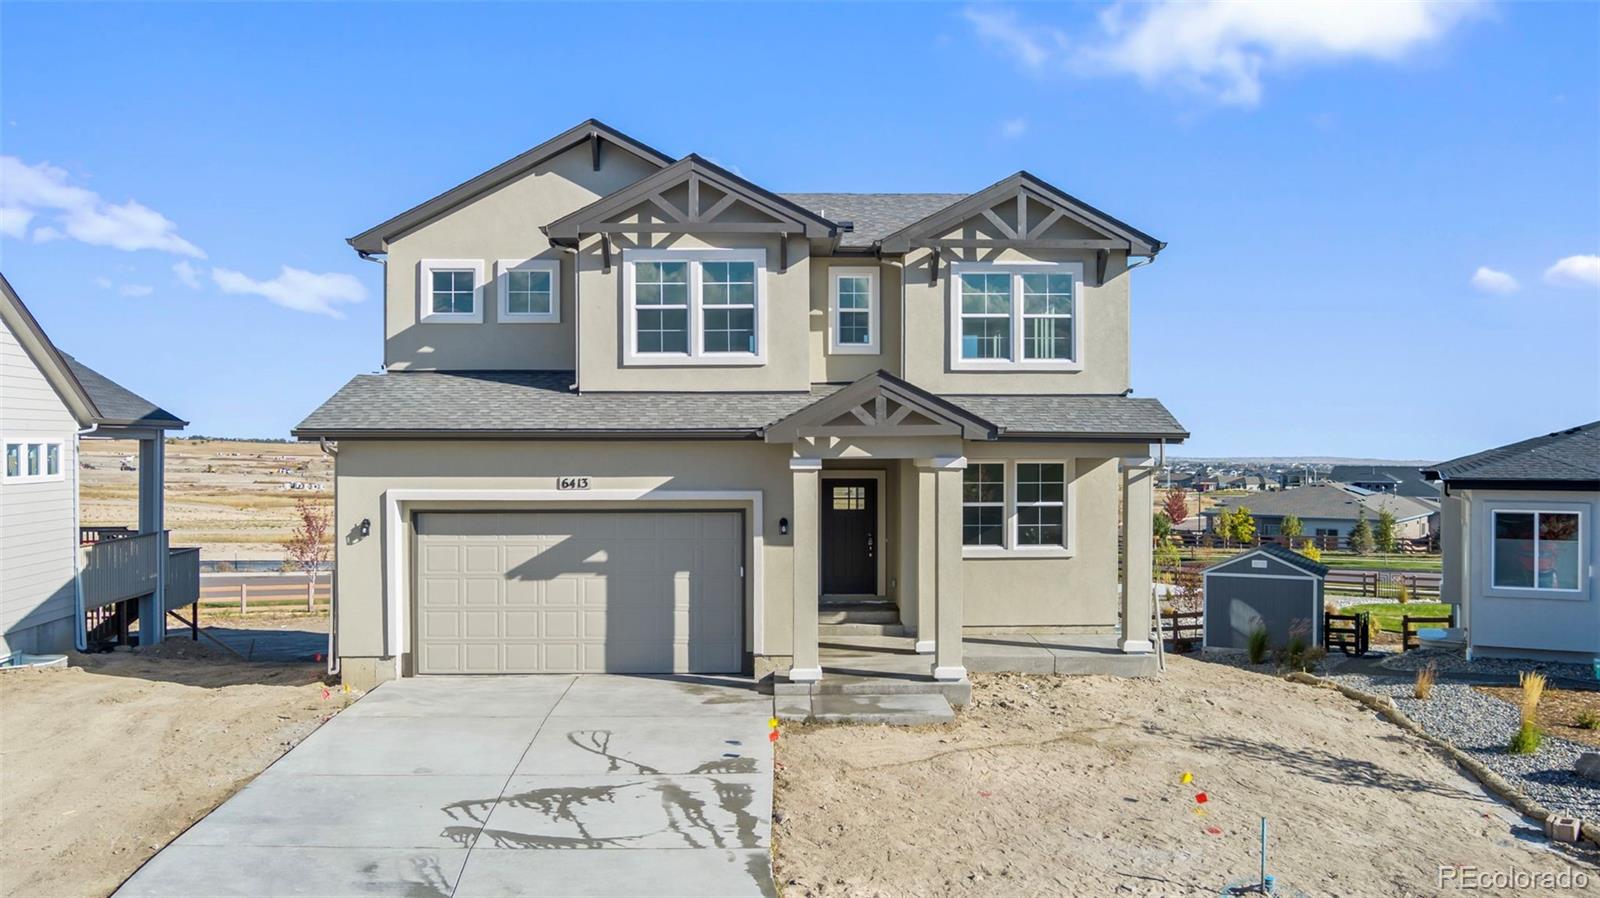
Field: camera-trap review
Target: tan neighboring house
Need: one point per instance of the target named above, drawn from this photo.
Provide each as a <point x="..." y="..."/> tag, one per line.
<point x="639" y="414"/>
<point x="1520" y="555"/>
<point x="55" y="575"/>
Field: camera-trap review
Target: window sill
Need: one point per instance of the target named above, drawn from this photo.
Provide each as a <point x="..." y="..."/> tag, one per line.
<point x="851" y="349"/>
<point x="451" y="318"/>
<point x="692" y="361"/>
<point x="1005" y="367"/>
<point x="977" y="552"/>
<point x="1557" y="595"/>
<point x="529" y="319"/>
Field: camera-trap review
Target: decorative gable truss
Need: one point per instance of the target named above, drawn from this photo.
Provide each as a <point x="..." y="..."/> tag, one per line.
<point x="1021" y="212"/>
<point x="880" y="405"/>
<point x="691" y="196"/>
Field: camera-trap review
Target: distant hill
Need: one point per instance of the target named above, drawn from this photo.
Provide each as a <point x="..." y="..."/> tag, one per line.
<point x="1269" y="460"/>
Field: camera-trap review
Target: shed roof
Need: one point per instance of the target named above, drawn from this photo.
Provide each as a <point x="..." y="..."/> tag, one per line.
<point x="1565" y="460"/>
<point x="1287" y="556"/>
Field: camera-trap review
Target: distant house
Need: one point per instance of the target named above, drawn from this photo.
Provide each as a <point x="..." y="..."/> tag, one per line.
<point x="1330" y="511"/>
<point x="1398" y="479"/>
<point x="1517" y="531"/>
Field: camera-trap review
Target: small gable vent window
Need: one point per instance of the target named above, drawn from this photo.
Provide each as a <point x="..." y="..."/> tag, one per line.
<point x="451" y="291"/>
<point x="1016" y="317"/>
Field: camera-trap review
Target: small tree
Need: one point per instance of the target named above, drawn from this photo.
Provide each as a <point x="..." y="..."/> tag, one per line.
<point x="1161" y="525"/>
<point x="309" y="550"/>
<point x="1291" y="528"/>
<point x="1176" y="505"/>
<point x="1244" y="526"/>
<point x="1385" y="535"/>
<point x="1361" y="536"/>
<point x="1222" y="524"/>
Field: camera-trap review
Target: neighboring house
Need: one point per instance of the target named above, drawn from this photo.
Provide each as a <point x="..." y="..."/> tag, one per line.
<point x="1519" y="548"/>
<point x="1330" y="511"/>
<point x="1398" y="479"/>
<point x="49" y="575"/>
<point x="641" y="414"/>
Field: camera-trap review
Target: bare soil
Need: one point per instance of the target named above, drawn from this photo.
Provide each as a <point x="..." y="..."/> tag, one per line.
<point x="1559" y="711"/>
<point x="105" y="762"/>
<point x="1073" y="786"/>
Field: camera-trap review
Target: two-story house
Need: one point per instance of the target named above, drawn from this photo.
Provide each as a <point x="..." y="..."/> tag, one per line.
<point x="639" y="414"/>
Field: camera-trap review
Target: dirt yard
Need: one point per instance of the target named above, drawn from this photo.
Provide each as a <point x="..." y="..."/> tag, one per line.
<point x="152" y="741"/>
<point x="1562" y="712"/>
<point x="230" y="498"/>
<point x="1072" y="786"/>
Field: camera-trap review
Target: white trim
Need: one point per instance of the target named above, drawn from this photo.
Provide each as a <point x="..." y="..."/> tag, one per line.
<point x="950" y="674"/>
<point x="502" y="290"/>
<point x="1519" y="506"/>
<point x="882" y="501"/>
<point x="805" y="674"/>
<point x="425" y="270"/>
<point x="1137" y="647"/>
<point x="396" y="545"/>
<point x="874" y="344"/>
<point x="44" y="443"/>
<point x="925" y="646"/>
<point x="805" y="464"/>
<point x="1016" y="362"/>
<point x="697" y="355"/>
<point x="1009" y="547"/>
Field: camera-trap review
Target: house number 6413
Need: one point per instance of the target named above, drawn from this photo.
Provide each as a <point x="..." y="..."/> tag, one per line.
<point x="572" y="483"/>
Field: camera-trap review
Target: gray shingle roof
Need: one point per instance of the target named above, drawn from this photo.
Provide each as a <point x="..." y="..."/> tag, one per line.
<point x="1328" y="503"/>
<point x="1566" y="457"/>
<point x="534" y="403"/>
<point x="875" y="215"/>
<point x="1289" y="556"/>
<point x="118" y="404"/>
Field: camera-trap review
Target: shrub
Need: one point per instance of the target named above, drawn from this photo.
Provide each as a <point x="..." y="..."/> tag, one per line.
<point x="1167" y="560"/>
<point x="1256" y="647"/>
<point x="1424" y="684"/>
<point x="1402" y="592"/>
<point x="1361" y="536"/>
<point x="1373" y="627"/>
<point x="1310" y="551"/>
<point x="1528" y="737"/>
<point x="1587" y="720"/>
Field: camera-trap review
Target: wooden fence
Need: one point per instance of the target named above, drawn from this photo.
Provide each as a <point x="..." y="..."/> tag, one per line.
<point x="1348" y="633"/>
<point x="1422" y="545"/>
<point x="292" y="591"/>
<point x="1408" y="628"/>
<point x="1186" y="629"/>
<point x="1380" y="584"/>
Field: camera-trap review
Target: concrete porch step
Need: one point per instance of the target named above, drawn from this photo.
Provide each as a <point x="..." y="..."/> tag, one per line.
<point x="859" y="629"/>
<point x="859" y="614"/>
<point x="894" y="709"/>
<point x="957" y="693"/>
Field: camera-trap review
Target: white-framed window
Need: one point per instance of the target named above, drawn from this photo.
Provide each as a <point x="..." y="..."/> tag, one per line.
<point x="694" y="307"/>
<point x="1536" y="549"/>
<point x="1016" y="316"/>
<point x="529" y="291"/>
<point x="1015" y="507"/>
<point x="33" y="460"/>
<point x="450" y="291"/>
<point x="853" y="315"/>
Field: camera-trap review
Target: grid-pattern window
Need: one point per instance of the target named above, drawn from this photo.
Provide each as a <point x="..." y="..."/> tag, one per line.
<point x="661" y="306"/>
<point x="849" y="498"/>
<point x="32" y="460"/>
<point x="52" y="459"/>
<point x="855" y="310"/>
<point x="983" y="504"/>
<point x="453" y="291"/>
<point x="728" y="306"/>
<point x="529" y="292"/>
<point x="986" y="316"/>
<point x="1047" y="316"/>
<point x="1041" y="504"/>
<point x="1538" y="550"/>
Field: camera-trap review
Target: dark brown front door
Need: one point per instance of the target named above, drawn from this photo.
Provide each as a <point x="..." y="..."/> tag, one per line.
<point x="850" y="537"/>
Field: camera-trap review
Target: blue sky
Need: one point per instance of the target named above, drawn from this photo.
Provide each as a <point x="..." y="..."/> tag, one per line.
<point x="1367" y="214"/>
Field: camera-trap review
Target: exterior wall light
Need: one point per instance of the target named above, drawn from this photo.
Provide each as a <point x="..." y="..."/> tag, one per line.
<point x="783" y="526"/>
<point x="365" y="527"/>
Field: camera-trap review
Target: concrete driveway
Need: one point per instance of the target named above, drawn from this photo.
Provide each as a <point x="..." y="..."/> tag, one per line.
<point x="469" y="787"/>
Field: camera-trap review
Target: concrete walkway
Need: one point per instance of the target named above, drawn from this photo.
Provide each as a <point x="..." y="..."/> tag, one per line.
<point x="469" y="787"/>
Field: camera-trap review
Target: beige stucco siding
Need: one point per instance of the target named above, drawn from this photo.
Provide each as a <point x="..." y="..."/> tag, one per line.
<point x="502" y="224"/>
<point x="38" y="541"/>
<point x="838" y="367"/>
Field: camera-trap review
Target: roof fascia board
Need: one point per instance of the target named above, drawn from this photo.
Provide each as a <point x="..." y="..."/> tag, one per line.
<point x="817" y="414"/>
<point x="376" y="239"/>
<point x="1139" y="243"/>
<point x="727" y="433"/>
<point x="44" y="355"/>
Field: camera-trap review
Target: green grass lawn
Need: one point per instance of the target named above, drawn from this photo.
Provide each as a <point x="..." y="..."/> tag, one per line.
<point x="1336" y="560"/>
<point x="1388" y="615"/>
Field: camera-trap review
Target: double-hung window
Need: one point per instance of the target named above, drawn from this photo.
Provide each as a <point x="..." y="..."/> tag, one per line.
<point x="529" y="290"/>
<point x="1014" y="506"/>
<point x="451" y="291"/>
<point x="704" y="307"/>
<point x="32" y="460"/>
<point x="1538" y="549"/>
<point x="853" y="311"/>
<point x="983" y="504"/>
<point x="1041" y="504"/>
<point x="1016" y="316"/>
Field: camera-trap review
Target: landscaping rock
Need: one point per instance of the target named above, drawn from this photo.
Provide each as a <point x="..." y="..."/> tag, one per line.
<point x="1588" y="765"/>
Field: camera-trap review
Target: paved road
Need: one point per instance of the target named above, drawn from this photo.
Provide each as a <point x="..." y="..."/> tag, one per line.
<point x="471" y="787"/>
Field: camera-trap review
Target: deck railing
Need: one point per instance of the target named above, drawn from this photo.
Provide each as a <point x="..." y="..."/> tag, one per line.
<point x="183" y="577"/>
<point x="119" y="569"/>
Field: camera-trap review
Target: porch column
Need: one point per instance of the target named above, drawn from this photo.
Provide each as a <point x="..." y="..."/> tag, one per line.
<point x="947" y="656"/>
<point x="805" y="532"/>
<point x="1138" y="479"/>
<point x="927" y="556"/>
<point x="152" y="519"/>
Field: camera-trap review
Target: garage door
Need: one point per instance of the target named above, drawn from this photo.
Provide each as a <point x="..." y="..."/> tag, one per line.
<point x="579" y="592"/>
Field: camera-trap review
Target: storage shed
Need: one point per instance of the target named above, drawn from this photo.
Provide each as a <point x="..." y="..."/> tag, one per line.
<point x="1277" y="587"/>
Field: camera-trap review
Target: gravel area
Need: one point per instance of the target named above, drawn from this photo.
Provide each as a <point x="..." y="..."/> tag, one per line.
<point x="1455" y="662"/>
<point x="1482" y="725"/>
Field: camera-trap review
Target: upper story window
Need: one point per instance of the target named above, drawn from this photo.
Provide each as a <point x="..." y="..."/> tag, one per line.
<point x="451" y="291"/>
<point x="853" y="311"/>
<point x="699" y="307"/>
<point x="32" y="460"/>
<point x="1540" y="550"/>
<point x="1016" y="316"/>
<point x="529" y="290"/>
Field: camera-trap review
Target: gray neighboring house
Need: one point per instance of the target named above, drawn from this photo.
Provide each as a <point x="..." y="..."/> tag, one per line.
<point x="1519" y="545"/>
<point x="640" y="414"/>
<point x="1331" y="511"/>
<point x="52" y="571"/>
<point x="1402" y="480"/>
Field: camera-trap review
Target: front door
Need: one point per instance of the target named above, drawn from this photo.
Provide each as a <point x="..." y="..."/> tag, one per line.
<point x="850" y="537"/>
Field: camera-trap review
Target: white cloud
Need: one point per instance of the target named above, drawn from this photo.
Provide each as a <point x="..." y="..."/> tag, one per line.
<point x="1223" y="48"/>
<point x="104" y="283"/>
<point x="1013" y="128"/>
<point x="293" y="288"/>
<point x="1488" y="280"/>
<point x="187" y="274"/>
<point x="136" y="290"/>
<point x="1574" y="271"/>
<point x="78" y="213"/>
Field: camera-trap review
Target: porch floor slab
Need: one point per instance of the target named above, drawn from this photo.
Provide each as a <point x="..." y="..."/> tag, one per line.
<point x="895" y="657"/>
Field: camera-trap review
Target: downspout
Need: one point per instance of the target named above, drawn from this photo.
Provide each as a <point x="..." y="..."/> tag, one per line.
<point x="80" y="629"/>
<point x="332" y="451"/>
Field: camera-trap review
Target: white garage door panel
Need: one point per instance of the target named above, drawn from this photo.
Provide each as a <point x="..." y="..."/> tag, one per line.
<point x="579" y="592"/>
